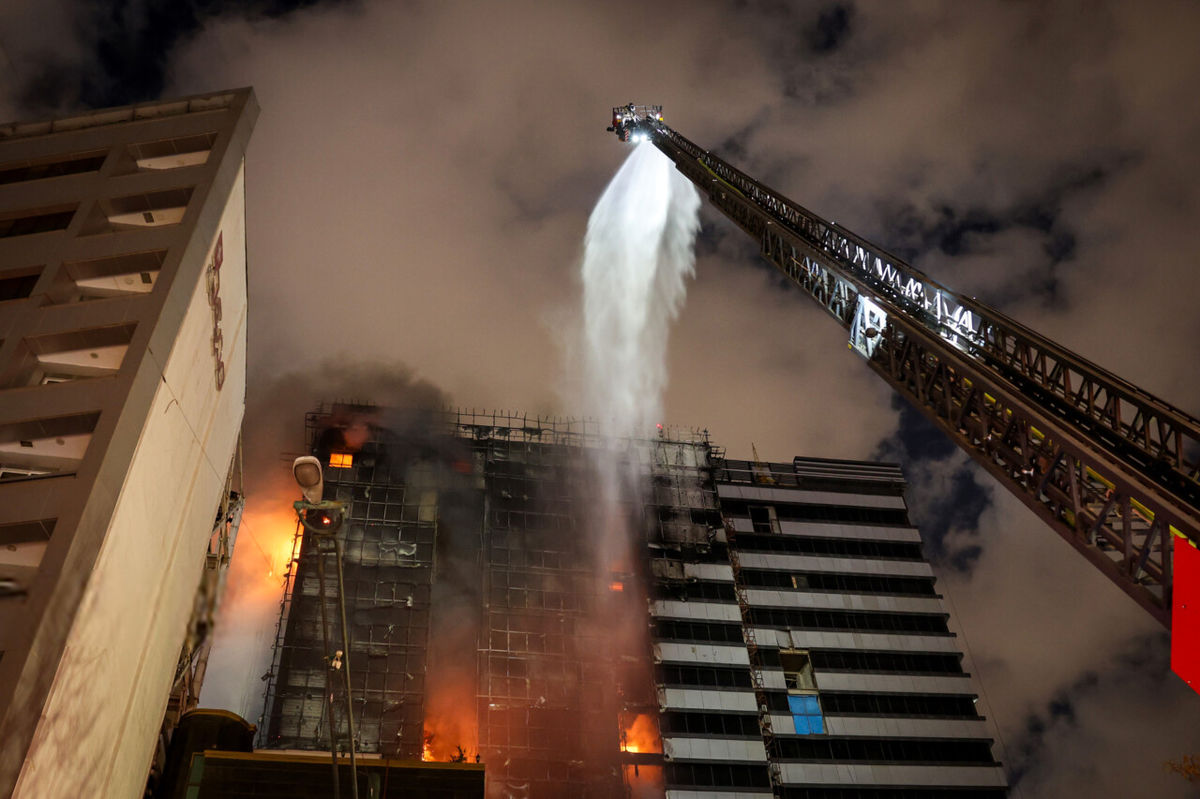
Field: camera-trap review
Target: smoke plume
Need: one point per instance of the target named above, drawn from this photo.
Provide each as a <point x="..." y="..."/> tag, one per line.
<point x="273" y="434"/>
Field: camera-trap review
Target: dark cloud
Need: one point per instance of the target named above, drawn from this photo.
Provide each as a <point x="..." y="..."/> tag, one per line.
<point x="945" y="497"/>
<point x="116" y="52"/>
<point x="831" y="28"/>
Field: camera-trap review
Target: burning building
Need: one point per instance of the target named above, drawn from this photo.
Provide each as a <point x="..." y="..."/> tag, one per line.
<point x="766" y="629"/>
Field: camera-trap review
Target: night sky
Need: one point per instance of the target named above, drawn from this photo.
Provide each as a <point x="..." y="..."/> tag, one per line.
<point x="419" y="183"/>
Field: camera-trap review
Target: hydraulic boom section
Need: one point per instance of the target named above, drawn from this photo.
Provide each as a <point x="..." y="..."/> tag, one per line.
<point x="1111" y="468"/>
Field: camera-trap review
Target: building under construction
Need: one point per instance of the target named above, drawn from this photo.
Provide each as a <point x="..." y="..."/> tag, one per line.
<point x="728" y="628"/>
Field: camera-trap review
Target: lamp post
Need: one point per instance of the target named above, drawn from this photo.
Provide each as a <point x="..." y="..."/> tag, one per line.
<point x="323" y="518"/>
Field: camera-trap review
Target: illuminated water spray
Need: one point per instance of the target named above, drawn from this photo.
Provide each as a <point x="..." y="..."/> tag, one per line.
<point x="638" y="254"/>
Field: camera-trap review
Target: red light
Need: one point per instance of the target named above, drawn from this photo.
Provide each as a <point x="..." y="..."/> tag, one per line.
<point x="1185" y="615"/>
<point x="616" y="585"/>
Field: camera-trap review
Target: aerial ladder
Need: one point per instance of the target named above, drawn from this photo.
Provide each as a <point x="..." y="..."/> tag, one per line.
<point x="1111" y="468"/>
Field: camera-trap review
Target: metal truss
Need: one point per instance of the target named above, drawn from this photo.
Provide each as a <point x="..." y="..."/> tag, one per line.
<point x="1112" y="469"/>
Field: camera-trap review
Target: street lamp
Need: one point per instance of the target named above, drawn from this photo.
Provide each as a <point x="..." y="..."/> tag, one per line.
<point x="323" y="518"/>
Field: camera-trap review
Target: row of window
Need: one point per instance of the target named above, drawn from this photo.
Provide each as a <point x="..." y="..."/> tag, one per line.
<point x="19" y="286"/>
<point x="156" y="155"/>
<point x="710" y="631"/>
<point x="64" y="165"/>
<point x="871" y="792"/>
<point x="695" y="590"/>
<point x="885" y="750"/>
<point x="702" y="676"/>
<point x="836" y="703"/>
<point x="725" y="725"/>
<point x="845" y="547"/>
<point x="36" y="222"/>
<point x="847" y="583"/>
<point x="865" y="621"/>
<point x="715" y="775"/>
<point x="732" y="471"/>
<point x="895" y="662"/>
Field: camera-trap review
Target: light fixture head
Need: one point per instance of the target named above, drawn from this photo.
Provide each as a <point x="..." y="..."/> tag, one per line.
<point x="307" y="471"/>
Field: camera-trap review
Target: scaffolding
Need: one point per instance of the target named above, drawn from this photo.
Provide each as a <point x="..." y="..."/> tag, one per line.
<point x="546" y="696"/>
<point x="388" y="541"/>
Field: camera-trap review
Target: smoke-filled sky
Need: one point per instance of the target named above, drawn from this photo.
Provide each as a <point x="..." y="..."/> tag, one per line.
<point x="419" y="184"/>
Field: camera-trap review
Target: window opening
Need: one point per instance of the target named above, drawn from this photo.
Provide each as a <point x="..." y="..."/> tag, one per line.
<point x="806" y="714"/>
<point x="44" y="447"/>
<point x="797" y="670"/>
<point x="45" y="220"/>
<point x="173" y="153"/>
<point x="71" y="355"/>
<point x="17" y="284"/>
<point x="56" y="166"/>
<point x="22" y="545"/>
<point x="764" y="518"/>
<point x="113" y="276"/>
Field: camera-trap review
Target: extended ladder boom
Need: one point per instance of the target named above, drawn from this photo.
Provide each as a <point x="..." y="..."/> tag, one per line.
<point x="1113" y="469"/>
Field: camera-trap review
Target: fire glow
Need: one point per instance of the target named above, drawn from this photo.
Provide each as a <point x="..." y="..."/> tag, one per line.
<point x="641" y="735"/>
<point x="262" y="556"/>
<point x="450" y="730"/>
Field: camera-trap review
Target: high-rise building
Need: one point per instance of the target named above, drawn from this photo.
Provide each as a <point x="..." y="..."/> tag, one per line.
<point x="122" y="389"/>
<point x="767" y="628"/>
<point x="808" y="650"/>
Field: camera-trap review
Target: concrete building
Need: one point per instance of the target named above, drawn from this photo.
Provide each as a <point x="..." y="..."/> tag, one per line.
<point x="772" y="628"/>
<point x="806" y="652"/>
<point x="122" y="389"/>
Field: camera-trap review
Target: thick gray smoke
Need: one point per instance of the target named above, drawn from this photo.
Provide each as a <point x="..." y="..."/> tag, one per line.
<point x="273" y="434"/>
<point x="637" y="255"/>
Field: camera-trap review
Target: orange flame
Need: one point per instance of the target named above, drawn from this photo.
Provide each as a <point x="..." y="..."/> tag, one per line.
<point x="263" y="552"/>
<point x="450" y="726"/>
<point x="641" y="735"/>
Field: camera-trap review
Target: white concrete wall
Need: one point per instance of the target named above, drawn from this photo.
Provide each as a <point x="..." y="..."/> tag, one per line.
<point x="773" y="598"/>
<point x="724" y="749"/>
<point x="718" y="793"/>
<point x="780" y="561"/>
<point x="716" y="572"/>
<point x="669" y="652"/>
<point x="859" y="774"/>
<point x="705" y="699"/>
<point x="708" y="611"/>
<point x="129" y="629"/>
